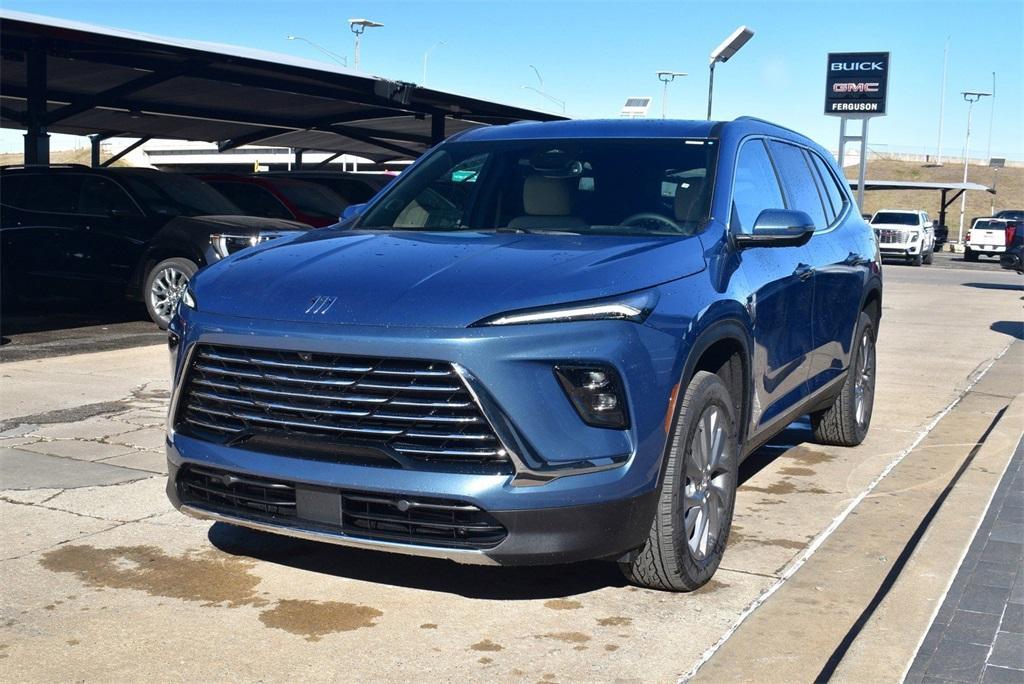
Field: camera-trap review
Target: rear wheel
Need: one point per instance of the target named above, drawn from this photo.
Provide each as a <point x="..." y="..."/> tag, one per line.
<point x="846" y="421"/>
<point x="970" y="256"/>
<point x="691" y="526"/>
<point x="165" y="284"/>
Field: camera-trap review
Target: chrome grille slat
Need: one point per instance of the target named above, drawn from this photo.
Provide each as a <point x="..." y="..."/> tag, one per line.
<point x="412" y="410"/>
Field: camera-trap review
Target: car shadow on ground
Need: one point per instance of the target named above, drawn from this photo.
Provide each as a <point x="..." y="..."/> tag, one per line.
<point x="469" y="581"/>
<point x="429" y="574"/>
<point x="995" y="286"/>
<point x="1014" y="329"/>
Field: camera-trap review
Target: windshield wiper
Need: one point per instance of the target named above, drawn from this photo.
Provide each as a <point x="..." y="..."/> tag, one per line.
<point x="535" y="231"/>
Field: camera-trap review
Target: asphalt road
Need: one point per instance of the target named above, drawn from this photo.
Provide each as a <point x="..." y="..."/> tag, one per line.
<point x="103" y="581"/>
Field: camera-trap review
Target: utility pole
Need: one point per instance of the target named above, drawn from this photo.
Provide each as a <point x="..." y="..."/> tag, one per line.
<point x="970" y="98"/>
<point x="991" y="117"/>
<point x="426" y="56"/>
<point x="942" y="102"/>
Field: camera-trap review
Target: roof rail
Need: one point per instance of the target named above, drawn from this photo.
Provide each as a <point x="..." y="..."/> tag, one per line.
<point x="768" y="123"/>
<point x="68" y="165"/>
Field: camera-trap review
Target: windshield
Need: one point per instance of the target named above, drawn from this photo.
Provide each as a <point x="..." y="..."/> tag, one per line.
<point x="312" y="199"/>
<point x="607" y="186"/>
<point x="176" y="194"/>
<point x="899" y="218"/>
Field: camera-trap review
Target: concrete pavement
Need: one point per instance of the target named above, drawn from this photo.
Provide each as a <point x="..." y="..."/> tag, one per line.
<point x="103" y="581"/>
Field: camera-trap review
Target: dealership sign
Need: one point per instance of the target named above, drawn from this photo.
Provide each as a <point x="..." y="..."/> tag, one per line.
<point x="856" y="83"/>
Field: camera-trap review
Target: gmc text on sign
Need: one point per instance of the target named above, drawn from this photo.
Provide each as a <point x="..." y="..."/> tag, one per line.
<point x="856" y="83"/>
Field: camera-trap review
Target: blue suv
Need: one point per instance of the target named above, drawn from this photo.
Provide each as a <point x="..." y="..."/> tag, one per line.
<point x="543" y="343"/>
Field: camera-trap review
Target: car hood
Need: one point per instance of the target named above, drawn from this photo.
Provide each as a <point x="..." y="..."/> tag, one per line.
<point x="894" y="226"/>
<point x="435" y="279"/>
<point x="244" y="224"/>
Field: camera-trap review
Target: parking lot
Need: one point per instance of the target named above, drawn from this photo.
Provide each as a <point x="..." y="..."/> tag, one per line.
<point x="104" y="581"/>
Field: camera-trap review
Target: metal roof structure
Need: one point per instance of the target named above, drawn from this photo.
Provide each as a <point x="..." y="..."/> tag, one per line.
<point x="69" y="77"/>
<point x="943" y="188"/>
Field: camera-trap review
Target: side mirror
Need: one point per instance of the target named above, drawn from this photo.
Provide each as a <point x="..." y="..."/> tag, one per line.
<point x="351" y="211"/>
<point x="778" y="228"/>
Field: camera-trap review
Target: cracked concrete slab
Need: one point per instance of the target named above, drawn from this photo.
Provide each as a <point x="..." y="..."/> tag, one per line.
<point x="29" y="528"/>
<point x="117" y="503"/>
<point x="80" y="449"/>
<point x="26" y="470"/>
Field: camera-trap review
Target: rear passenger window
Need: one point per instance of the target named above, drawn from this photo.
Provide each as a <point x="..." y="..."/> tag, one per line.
<point x="54" y="193"/>
<point x="798" y="182"/>
<point x="832" y="190"/>
<point x="100" y="196"/>
<point x="756" y="187"/>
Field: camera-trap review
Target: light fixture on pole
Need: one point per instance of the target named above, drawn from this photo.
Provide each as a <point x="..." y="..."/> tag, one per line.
<point x="970" y="98"/>
<point x="358" y="26"/>
<point x="333" y="55"/>
<point x="543" y="93"/>
<point x="723" y="53"/>
<point x="667" y="77"/>
<point x="426" y="56"/>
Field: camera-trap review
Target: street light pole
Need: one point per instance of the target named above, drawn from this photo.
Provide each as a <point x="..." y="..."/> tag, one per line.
<point x="358" y="27"/>
<point x="942" y="102"/>
<point x="991" y="116"/>
<point x="336" y="57"/>
<point x="667" y="77"/>
<point x="970" y="98"/>
<point x="426" y="56"/>
<point x="723" y="53"/>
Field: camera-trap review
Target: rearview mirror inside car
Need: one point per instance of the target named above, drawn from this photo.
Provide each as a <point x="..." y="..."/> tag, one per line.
<point x="778" y="228"/>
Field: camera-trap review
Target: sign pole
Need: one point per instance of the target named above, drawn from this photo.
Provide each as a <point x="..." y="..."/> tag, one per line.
<point x="863" y="162"/>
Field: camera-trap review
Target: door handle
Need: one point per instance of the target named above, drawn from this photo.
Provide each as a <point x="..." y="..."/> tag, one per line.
<point x="803" y="271"/>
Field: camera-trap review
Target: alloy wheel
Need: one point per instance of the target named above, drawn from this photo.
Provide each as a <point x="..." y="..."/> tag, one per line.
<point x="864" y="381"/>
<point x="168" y="287"/>
<point x="708" y="482"/>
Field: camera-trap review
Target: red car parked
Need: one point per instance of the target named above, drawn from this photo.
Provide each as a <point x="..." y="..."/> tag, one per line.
<point x="280" y="198"/>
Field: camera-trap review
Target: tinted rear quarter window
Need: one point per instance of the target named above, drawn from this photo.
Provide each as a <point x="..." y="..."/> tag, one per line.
<point x="54" y="192"/>
<point x="836" y="197"/>
<point x="252" y="199"/>
<point x="798" y="182"/>
<point x="755" y="188"/>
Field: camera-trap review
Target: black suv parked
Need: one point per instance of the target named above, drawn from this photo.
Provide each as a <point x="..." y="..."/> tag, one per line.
<point x="83" y="232"/>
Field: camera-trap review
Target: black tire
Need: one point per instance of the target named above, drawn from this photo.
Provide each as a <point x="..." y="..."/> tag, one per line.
<point x="847" y="420"/>
<point x="667" y="560"/>
<point x="970" y="256"/>
<point x="161" y="297"/>
<point x="917" y="260"/>
<point x="930" y="257"/>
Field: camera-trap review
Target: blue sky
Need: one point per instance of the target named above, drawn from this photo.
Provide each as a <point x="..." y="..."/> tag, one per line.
<point x="593" y="54"/>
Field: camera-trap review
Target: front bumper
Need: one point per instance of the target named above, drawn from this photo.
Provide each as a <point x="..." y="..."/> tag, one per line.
<point x="588" y="492"/>
<point x="899" y="251"/>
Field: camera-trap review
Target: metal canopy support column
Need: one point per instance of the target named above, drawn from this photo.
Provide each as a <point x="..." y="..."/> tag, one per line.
<point x="297" y="161"/>
<point x="863" y="163"/>
<point x="37" y="140"/>
<point x="95" y="140"/>
<point x="140" y="141"/>
<point x="436" y="129"/>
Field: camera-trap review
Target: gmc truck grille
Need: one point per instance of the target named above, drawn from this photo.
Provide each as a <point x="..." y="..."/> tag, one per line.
<point x="419" y="410"/>
<point x="383" y="517"/>
<point x="888" y="236"/>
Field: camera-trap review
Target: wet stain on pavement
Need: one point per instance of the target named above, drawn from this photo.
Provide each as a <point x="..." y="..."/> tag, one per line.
<point x="793" y="470"/>
<point x="428" y="625"/>
<point x="783" y="487"/>
<point x="562" y="604"/>
<point x="487" y="645"/>
<point x="808" y="456"/>
<point x="485" y="660"/>
<point x="611" y="647"/>
<point x="567" y="637"/>
<point x="615" y="621"/>
<point x="314" y="619"/>
<point x="209" y="579"/>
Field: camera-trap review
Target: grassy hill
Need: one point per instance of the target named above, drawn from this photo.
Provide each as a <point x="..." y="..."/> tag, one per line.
<point x="79" y="156"/>
<point x="1009" y="189"/>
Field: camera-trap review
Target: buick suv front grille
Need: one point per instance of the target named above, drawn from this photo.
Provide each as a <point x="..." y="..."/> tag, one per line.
<point x="384" y="517"/>
<point x="420" y="410"/>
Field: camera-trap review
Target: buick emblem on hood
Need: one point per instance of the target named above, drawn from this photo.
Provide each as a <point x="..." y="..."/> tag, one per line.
<point x="320" y="304"/>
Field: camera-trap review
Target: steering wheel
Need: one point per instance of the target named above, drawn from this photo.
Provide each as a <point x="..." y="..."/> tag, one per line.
<point x="650" y="216"/>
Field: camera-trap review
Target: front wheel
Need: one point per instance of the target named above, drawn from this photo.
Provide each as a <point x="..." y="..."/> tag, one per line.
<point x="698" y="493"/>
<point x="846" y="421"/>
<point x="930" y="257"/>
<point x="916" y="261"/>
<point x="164" y="286"/>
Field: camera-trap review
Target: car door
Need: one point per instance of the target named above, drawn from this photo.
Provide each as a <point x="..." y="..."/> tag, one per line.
<point x="839" y="263"/>
<point x="111" y="234"/>
<point x="781" y="292"/>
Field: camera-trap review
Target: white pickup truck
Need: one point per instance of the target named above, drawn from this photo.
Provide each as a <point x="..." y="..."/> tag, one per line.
<point x="988" y="237"/>
<point x="904" y="234"/>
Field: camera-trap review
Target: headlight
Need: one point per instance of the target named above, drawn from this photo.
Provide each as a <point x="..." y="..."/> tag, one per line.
<point x="225" y="244"/>
<point x="914" y="235"/>
<point x="188" y="299"/>
<point x="635" y="307"/>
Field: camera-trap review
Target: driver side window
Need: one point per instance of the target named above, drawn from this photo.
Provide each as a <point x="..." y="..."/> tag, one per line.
<point x="756" y="186"/>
